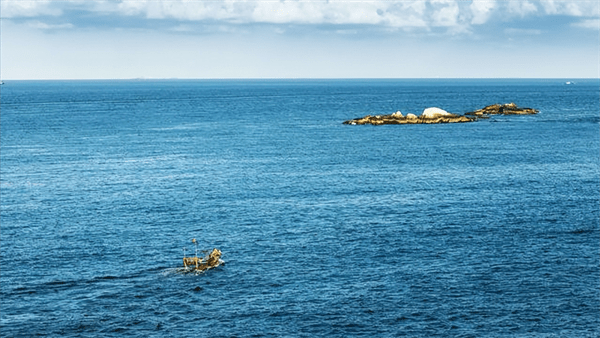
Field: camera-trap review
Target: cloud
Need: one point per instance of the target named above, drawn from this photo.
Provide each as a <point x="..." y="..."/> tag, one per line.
<point x="46" y="26"/>
<point x="590" y="24"/>
<point x="481" y="11"/>
<point x="19" y="9"/>
<point x="407" y="14"/>
<point x="337" y="12"/>
<point x="522" y="8"/>
<point x="445" y="13"/>
<point x="453" y="16"/>
<point x="518" y="31"/>
<point x="571" y="8"/>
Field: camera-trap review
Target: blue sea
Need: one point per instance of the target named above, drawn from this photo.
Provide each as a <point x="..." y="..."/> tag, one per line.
<point x="483" y="229"/>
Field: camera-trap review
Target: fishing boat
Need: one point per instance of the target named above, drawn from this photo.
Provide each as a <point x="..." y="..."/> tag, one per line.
<point x="201" y="264"/>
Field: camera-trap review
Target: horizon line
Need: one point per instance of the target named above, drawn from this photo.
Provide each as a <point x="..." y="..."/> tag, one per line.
<point x="303" y="78"/>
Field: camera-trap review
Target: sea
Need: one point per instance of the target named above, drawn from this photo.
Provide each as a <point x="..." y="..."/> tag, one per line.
<point x="482" y="229"/>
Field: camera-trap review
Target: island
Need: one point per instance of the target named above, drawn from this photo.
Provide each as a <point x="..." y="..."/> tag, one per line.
<point x="436" y="115"/>
<point x="503" y="109"/>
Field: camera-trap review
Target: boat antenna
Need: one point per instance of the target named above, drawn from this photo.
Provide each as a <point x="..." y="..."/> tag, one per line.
<point x="196" y="245"/>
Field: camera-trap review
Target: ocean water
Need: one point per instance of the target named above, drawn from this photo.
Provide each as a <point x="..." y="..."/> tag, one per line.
<point x="485" y="229"/>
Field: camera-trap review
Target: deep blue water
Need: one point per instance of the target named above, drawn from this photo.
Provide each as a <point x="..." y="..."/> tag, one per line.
<point x="486" y="229"/>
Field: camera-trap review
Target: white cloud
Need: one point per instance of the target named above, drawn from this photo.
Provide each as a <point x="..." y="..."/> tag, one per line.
<point x="376" y="12"/>
<point x="518" y="31"/>
<point x="481" y="11"/>
<point x="15" y="9"/>
<point x="445" y="13"/>
<point x="45" y="26"/>
<point x="571" y="8"/>
<point x="294" y="12"/>
<point x="278" y="12"/>
<point x="455" y="16"/>
<point x="407" y="14"/>
<point x="522" y="8"/>
<point x="589" y="23"/>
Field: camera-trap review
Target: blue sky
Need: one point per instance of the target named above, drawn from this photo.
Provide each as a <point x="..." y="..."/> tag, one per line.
<point x="75" y="39"/>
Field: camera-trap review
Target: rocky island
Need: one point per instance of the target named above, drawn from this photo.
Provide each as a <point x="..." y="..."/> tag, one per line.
<point x="503" y="109"/>
<point x="436" y="115"/>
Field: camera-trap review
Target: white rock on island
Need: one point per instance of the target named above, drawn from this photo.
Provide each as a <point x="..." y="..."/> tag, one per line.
<point x="434" y="112"/>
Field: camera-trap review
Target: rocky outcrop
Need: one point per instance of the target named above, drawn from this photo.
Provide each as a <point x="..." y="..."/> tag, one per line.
<point x="434" y="112"/>
<point x="429" y="116"/>
<point x="502" y="109"/>
<point x="436" y="115"/>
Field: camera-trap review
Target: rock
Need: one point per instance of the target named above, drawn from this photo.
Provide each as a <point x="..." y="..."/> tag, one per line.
<point x="502" y="109"/>
<point x="447" y="119"/>
<point x="432" y="113"/>
<point x="436" y="115"/>
<point x="398" y="118"/>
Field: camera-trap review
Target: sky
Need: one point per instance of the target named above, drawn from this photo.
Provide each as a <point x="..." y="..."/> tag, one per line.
<point x="207" y="39"/>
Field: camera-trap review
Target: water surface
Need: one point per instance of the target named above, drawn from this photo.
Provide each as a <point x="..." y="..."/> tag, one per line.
<point x="484" y="229"/>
